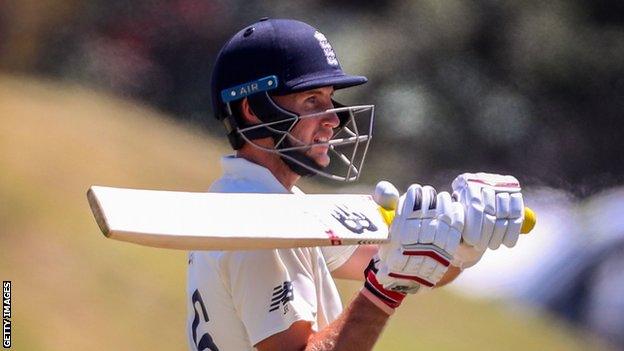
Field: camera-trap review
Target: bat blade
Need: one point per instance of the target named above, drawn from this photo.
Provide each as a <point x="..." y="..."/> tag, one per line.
<point x="235" y="221"/>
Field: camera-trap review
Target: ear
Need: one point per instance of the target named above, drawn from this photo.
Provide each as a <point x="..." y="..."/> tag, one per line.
<point x="247" y="113"/>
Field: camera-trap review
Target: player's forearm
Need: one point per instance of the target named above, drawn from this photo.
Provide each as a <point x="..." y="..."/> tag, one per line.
<point x="354" y="267"/>
<point x="357" y="328"/>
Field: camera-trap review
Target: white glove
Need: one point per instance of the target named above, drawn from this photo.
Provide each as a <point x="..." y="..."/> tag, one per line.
<point x="424" y="235"/>
<point x="494" y="211"/>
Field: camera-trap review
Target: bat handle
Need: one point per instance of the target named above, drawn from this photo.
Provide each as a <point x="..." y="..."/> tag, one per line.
<point x="527" y="225"/>
<point x="529" y="221"/>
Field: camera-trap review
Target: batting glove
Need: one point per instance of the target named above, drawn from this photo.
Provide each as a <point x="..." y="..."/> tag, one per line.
<point x="424" y="236"/>
<point x="494" y="213"/>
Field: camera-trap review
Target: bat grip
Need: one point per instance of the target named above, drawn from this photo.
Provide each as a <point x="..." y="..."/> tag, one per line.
<point x="527" y="225"/>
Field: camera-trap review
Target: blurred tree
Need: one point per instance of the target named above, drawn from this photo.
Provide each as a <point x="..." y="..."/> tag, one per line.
<point x="528" y="88"/>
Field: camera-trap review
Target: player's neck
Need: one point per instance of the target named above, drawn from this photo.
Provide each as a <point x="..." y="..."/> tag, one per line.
<point x="271" y="161"/>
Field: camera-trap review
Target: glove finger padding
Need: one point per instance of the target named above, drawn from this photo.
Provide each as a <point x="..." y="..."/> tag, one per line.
<point x="416" y="214"/>
<point x="500" y="228"/>
<point x="501" y="225"/>
<point x="428" y="228"/>
<point x="516" y="217"/>
<point x="494" y="213"/>
<point x="452" y="215"/>
<point x="396" y="271"/>
<point x="472" y="198"/>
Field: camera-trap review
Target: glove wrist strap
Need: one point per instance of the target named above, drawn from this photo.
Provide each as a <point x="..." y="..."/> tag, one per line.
<point x="386" y="300"/>
<point x="377" y="301"/>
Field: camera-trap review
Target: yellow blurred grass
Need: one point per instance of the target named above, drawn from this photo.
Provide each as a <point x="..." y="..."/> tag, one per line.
<point x="74" y="290"/>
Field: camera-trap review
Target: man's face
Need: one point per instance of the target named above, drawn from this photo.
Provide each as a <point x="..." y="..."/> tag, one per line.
<point x="314" y="130"/>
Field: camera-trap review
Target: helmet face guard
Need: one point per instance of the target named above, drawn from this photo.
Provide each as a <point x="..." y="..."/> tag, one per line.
<point x="346" y="148"/>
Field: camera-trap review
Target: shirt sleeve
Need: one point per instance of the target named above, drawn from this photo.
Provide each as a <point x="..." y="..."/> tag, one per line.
<point x="336" y="256"/>
<point x="271" y="289"/>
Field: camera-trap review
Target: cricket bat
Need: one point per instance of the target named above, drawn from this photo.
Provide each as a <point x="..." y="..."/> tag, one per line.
<point x="238" y="221"/>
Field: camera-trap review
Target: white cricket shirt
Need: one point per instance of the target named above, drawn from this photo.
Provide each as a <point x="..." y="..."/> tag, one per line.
<point x="239" y="298"/>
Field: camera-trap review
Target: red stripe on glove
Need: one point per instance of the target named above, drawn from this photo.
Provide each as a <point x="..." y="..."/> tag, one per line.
<point x="429" y="253"/>
<point x="414" y="278"/>
<point x="391" y="298"/>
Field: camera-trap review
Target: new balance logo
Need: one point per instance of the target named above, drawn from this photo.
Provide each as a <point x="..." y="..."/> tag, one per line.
<point x="281" y="294"/>
<point x="355" y="222"/>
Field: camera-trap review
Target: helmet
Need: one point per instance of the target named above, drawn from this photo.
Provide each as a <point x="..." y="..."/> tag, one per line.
<point x="278" y="57"/>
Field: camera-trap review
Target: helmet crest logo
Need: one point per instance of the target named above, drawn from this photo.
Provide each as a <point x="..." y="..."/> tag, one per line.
<point x="330" y="55"/>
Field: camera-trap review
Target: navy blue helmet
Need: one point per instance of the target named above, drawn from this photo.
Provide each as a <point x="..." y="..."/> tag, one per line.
<point x="278" y="57"/>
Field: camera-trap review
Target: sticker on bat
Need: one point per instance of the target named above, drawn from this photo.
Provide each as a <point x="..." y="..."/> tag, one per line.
<point x="354" y="221"/>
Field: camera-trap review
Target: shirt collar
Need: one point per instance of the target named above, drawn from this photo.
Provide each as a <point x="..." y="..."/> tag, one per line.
<point x="240" y="168"/>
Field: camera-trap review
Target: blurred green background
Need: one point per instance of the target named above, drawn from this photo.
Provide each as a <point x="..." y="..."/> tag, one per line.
<point x="117" y="93"/>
